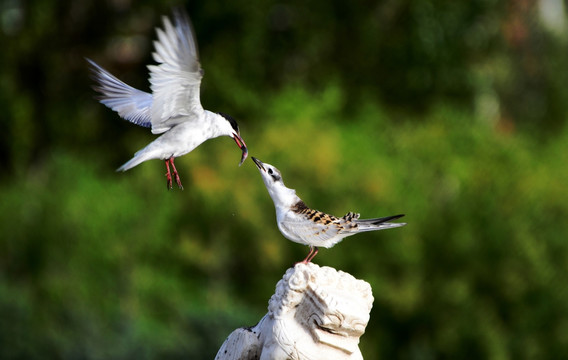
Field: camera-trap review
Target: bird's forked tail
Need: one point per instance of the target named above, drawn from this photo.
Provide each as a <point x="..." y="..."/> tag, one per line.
<point x="379" y="223"/>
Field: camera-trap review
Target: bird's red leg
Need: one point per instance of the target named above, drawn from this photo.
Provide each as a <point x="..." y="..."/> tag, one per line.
<point x="309" y="257"/>
<point x="314" y="253"/>
<point x="176" y="175"/>
<point x="168" y="175"/>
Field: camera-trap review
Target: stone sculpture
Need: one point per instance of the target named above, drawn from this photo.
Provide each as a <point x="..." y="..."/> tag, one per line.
<point x="315" y="313"/>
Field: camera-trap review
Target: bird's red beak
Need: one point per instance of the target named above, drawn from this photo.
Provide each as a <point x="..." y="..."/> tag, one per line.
<point x="241" y="144"/>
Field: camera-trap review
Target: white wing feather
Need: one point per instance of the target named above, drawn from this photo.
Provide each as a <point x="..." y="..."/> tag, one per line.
<point x="316" y="234"/>
<point x="176" y="80"/>
<point x="130" y="103"/>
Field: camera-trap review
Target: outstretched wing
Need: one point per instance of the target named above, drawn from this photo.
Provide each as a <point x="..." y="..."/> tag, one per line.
<point x="130" y="103"/>
<point x="175" y="82"/>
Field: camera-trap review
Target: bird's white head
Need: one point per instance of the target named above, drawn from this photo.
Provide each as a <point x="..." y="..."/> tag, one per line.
<point x="229" y="127"/>
<point x="280" y="194"/>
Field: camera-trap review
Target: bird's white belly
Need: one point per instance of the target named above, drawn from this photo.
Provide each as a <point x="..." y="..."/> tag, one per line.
<point x="281" y="215"/>
<point x="290" y="236"/>
<point x="179" y="141"/>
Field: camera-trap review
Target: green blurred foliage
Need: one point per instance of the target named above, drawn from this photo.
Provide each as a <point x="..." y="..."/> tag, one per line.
<point x="453" y="113"/>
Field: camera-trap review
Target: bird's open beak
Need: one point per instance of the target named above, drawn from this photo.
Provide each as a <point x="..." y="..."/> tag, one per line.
<point x="241" y="144"/>
<point x="258" y="164"/>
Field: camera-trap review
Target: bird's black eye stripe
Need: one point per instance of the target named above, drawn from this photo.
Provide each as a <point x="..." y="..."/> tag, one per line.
<point x="269" y="171"/>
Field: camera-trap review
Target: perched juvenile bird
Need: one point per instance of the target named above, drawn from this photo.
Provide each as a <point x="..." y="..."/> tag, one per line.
<point x="297" y="222"/>
<point x="173" y="108"/>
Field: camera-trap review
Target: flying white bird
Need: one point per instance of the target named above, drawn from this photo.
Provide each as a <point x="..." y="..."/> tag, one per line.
<point x="173" y="108"/>
<point x="297" y="222"/>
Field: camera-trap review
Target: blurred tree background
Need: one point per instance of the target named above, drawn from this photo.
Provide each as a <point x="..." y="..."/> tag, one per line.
<point x="451" y="112"/>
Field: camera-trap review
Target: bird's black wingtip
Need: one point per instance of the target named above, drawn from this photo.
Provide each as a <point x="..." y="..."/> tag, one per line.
<point x="385" y="219"/>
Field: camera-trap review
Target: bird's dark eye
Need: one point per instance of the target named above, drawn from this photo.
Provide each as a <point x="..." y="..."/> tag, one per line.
<point x="275" y="175"/>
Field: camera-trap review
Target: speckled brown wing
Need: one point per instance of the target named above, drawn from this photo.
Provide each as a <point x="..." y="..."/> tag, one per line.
<point x="318" y="228"/>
